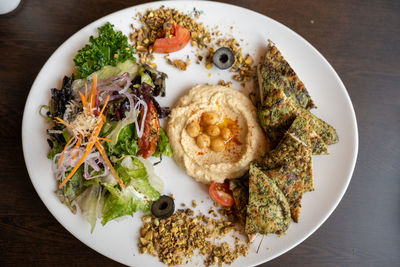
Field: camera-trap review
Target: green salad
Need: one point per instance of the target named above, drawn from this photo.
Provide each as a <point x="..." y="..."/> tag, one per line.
<point x="103" y="128"/>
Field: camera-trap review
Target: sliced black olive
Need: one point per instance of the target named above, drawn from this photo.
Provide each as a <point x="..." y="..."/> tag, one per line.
<point x="163" y="207"/>
<point x="223" y="58"/>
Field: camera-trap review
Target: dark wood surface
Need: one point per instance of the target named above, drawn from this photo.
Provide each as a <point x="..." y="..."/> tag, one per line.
<point x="361" y="39"/>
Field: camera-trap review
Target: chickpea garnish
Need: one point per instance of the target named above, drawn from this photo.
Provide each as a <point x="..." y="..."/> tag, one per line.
<point x="209" y="118"/>
<point x="226" y="134"/>
<point x="203" y="141"/>
<point x="217" y="145"/>
<point x="193" y="129"/>
<point x="213" y="130"/>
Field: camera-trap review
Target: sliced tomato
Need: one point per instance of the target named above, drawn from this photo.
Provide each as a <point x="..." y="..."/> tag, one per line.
<point x="148" y="142"/>
<point x="221" y="194"/>
<point x="179" y="40"/>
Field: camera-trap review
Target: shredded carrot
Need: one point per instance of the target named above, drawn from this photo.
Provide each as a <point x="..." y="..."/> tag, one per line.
<point x="75" y="147"/>
<point x="109" y="164"/>
<point x="83" y="99"/>
<point x="104" y="107"/>
<point x="105" y="139"/>
<point x="92" y="93"/>
<point x="65" y="123"/>
<point x="65" y="148"/>
<point x="88" y="149"/>
<point x="89" y="102"/>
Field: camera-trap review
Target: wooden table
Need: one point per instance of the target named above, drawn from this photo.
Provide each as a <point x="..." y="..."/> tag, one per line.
<point x="361" y="39"/>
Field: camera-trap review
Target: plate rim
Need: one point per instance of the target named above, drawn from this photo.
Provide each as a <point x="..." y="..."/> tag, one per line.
<point x="190" y="2"/>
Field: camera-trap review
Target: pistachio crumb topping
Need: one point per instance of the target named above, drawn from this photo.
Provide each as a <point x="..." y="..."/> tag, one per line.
<point x="176" y="239"/>
<point x="224" y="83"/>
<point x="206" y="40"/>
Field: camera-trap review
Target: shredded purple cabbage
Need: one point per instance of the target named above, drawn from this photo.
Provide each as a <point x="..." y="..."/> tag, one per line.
<point x="117" y="86"/>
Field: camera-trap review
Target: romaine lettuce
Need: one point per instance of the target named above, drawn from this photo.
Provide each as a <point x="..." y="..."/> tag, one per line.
<point x="137" y="194"/>
<point x="56" y="148"/>
<point x="126" y="142"/>
<point x="72" y="189"/>
<point x="163" y="146"/>
<point x="91" y="202"/>
<point x="75" y="185"/>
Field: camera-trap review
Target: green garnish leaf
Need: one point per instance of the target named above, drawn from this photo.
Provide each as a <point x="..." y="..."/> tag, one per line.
<point x="163" y="146"/>
<point x="109" y="48"/>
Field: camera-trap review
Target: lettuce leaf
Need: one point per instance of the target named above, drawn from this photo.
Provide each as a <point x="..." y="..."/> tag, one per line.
<point x="91" y="202"/>
<point x="57" y="142"/>
<point x="75" y="184"/>
<point x="72" y="189"/>
<point x="127" y="143"/>
<point x="163" y="146"/>
<point x="55" y="148"/>
<point x="118" y="203"/>
<point x="144" y="77"/>
<point x="138" y="194"/>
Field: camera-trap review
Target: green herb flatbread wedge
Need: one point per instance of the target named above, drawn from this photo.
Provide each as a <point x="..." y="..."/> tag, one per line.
<point x="292" y="187"/>
<point x="324" y="130"/>
<point x="290" y="149"/>
<point x="294" y="153"/>
<point x="317" y="144"/>
<point x="282" y="97"/>
<point x="276" y="72"/>
<point x="276" y="115"/>
<point x="268" y="210"/>
<point x="303" y="169"/>
<point x="301" y="128"/>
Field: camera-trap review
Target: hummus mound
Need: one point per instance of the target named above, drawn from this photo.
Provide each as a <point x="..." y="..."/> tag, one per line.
<point x="247" y="144"/>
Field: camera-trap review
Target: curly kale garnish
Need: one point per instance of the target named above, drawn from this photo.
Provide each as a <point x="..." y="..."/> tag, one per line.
<point x="109" y="48"/>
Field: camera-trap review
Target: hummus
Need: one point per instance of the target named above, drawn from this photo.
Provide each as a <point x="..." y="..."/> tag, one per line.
<point x="236" y="112"/>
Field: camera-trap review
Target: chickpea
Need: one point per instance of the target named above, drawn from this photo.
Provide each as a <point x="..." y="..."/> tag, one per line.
<point x="226" y="134"/>
<point x="209" y="118"/>
<point x="217" y="145"/>
<point x="193" y="129"/>
<point x="213" y="130"/>
<point x="203" y="141"/>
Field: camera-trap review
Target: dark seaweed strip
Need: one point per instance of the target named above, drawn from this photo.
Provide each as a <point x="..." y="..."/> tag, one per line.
<point x="61" y="97"/>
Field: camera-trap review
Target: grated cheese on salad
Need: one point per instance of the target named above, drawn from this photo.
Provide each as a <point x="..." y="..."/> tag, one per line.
<point x="84" y="123"/>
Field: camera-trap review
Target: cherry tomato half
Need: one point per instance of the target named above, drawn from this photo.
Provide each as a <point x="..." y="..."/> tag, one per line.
<point x="180" y="38"/>
<point x="221" y="194"/>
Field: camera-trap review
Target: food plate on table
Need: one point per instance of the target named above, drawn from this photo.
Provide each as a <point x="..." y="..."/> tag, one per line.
<point x="118" y="239"/>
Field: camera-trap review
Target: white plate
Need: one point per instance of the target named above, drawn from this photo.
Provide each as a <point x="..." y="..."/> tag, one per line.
<point x="118" y="240"/>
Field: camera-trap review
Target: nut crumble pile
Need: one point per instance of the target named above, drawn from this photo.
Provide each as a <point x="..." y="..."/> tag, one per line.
<point x="155" y="23"/>
<point x="175" y="239"/>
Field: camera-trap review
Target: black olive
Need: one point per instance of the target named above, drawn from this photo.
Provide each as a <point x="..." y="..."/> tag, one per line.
<point x="223" y="58"/>
<point x="163" y="207"/>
